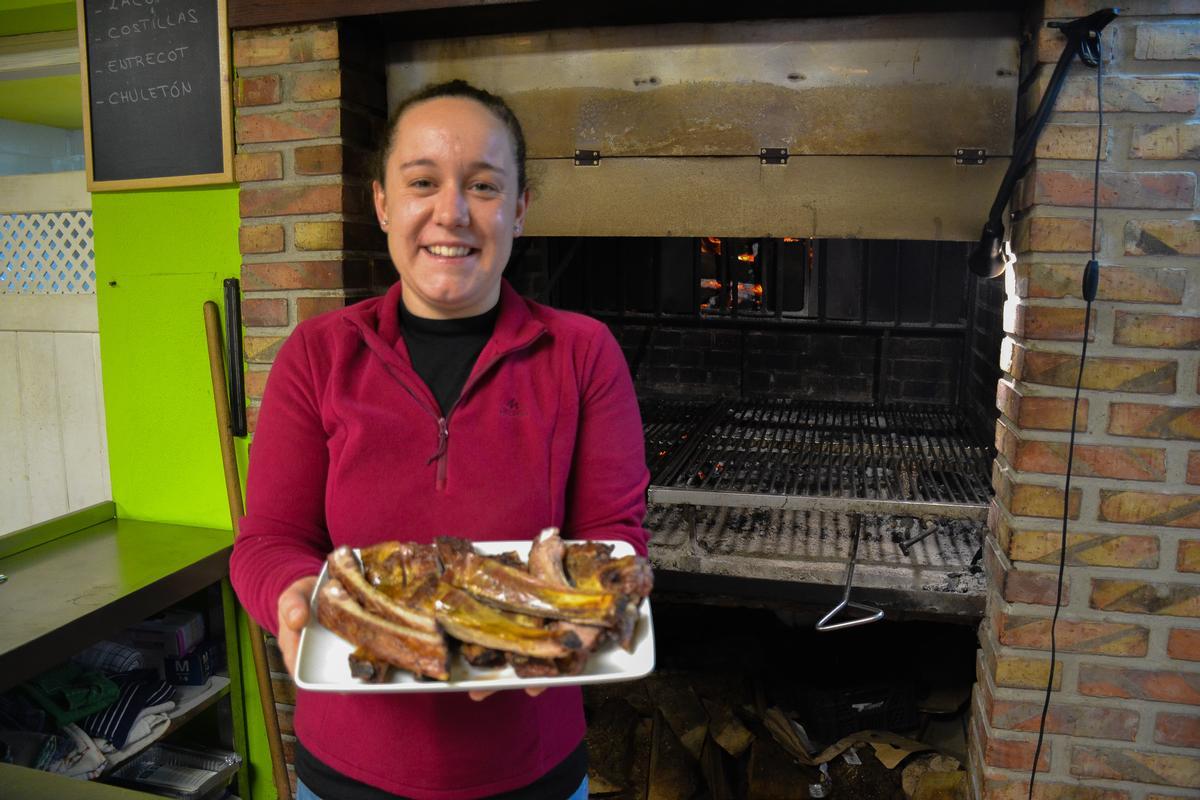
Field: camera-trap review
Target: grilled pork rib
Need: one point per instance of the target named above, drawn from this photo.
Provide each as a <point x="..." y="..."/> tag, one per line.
<point x="546" y="558"/>
<point x="391" y="566"/>
<point x="546" y="562"/>
<point x="590" y="566"/>
<point x="485" y="657"/>
<point x="469" y="620"/>
<point x="517" y="591"/>
<point x="582" y="563"/>
<point x="418" y="651"/>
<point x="391" y="603"/>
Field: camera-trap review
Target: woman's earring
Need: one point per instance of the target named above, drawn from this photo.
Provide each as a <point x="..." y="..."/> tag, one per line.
<point x="383" y="222"/>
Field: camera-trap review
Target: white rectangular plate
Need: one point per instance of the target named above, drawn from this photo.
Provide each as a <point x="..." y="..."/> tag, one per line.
<point x="322" y="661"/>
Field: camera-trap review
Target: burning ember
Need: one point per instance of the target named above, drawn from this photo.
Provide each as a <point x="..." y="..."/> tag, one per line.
<point x="733" y="276"/>
<point x="749" y="295"/>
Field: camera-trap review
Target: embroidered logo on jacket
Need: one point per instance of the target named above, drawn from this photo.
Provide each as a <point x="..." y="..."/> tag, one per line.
<point x="512" y="408"/>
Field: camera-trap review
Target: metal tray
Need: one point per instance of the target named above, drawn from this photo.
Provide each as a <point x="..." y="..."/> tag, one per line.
<point x="322" y="665"/>
<point x="178" y="772"/>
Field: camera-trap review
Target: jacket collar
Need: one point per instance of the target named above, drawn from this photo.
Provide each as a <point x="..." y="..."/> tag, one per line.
<point x="516" y="326"/>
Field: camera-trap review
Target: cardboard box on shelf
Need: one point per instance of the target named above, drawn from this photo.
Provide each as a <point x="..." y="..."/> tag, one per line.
<point x="196" y="667"/>
<point x="173" y="633"/>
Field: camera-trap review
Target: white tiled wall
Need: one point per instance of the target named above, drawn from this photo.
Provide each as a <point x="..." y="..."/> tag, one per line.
<point x="26" y="148"/>
<point x="53" y="449"/>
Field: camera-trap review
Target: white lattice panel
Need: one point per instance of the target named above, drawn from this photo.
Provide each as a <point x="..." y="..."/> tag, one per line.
<point x="47" y="253"/>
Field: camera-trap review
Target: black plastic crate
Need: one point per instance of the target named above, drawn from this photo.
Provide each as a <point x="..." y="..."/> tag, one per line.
<point x="829" y="714"/>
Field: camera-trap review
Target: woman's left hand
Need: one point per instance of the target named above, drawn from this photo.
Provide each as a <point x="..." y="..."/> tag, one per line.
<point x="477" y="696"/>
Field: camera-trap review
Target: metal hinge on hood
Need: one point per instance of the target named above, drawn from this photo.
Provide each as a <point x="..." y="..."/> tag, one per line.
<point x="773" y="155"/>
<point x="970" y="156"/>
<point x="587" y="158"/>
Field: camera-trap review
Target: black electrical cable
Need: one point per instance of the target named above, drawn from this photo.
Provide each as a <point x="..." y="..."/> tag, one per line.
<point x="1091" y="279"/>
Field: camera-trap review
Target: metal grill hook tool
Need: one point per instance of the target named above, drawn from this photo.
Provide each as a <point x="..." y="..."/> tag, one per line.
<point x="908" y="544"/>
<point x="873" y="614"/>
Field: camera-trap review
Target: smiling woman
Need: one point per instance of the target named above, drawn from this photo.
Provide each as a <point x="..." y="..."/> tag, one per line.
<point x="449" y="406"/>
<point x="451" y="200"/>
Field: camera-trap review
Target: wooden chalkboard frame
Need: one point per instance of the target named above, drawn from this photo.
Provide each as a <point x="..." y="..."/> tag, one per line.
<point x="226" y="121"/>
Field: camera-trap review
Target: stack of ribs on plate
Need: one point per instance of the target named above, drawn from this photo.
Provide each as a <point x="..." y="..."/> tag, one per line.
<point x="407" y="605"/>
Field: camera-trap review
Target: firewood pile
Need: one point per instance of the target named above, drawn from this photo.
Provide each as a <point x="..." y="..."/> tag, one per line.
<point x="724" y="717"/>
<point x="680" y="736"/>
<point x="675" y="735"/>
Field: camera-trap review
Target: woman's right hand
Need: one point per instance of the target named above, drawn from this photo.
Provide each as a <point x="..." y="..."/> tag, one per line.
<point x="293" y="616"/>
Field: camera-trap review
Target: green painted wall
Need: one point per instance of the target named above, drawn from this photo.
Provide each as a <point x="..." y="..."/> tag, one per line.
<point x="159" y="255"/>
<point x="54" y="101"/>
<point x="35" y="16"/>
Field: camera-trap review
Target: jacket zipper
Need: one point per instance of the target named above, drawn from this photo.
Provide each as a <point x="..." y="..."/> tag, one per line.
<point x="444" y="421"/>
<point x="440" y="455"/>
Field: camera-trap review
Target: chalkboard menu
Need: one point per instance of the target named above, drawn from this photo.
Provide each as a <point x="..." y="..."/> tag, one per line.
<point x="155" y="92"/>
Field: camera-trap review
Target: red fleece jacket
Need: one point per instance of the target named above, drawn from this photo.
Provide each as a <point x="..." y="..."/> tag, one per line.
<point x="350" y="449"/>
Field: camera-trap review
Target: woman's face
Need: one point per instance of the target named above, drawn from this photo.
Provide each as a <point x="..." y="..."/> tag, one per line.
<point x="450" y="206"/>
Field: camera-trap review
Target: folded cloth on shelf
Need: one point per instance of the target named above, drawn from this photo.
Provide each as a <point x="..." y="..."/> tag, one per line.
<point x="69" y="692"/>
<point x="139" y="689"/>
<point x="188" y="697"/>
<point x="111" y="657"/>
<point x="158" y="724"/>
<point x="78" y="755"/>
<point x="145" y="723"/>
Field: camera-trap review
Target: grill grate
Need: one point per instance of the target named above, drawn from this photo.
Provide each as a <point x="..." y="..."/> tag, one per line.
<point x="810" y="536"/>
<point x="938" y="575"/>
<point x="667" y="426"/>
<point x="840" y="457"/>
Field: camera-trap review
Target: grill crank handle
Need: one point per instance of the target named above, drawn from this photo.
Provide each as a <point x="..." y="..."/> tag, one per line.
<point x="873" y="614"/>
<point x="907" y="544"/>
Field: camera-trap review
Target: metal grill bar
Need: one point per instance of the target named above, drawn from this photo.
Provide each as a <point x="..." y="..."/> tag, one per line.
<point x="842" y="457"/>
<point x="667" y="426"/>
<point x="938" y="572"/>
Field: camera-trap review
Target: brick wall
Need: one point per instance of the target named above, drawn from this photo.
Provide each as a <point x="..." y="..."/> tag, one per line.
<point x="310" y="100"/>
<point x="309" y="103"/>
<point x="1124" y="722"/>
<point x="758" y="362"/>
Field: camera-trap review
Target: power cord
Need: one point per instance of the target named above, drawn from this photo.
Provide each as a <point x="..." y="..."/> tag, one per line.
<point x="1091" y="281"/>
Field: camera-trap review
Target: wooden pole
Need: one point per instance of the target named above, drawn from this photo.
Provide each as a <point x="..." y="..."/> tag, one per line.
<point x="233" y="488"/>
